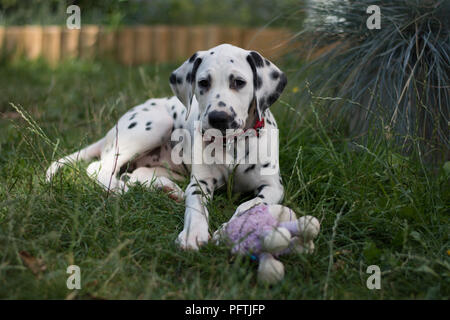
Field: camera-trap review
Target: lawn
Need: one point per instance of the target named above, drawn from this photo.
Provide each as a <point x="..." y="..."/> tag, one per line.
<point x="376" y="206"/>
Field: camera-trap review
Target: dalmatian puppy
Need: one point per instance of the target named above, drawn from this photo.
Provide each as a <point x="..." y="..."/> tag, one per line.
<point x="222" y="98"/>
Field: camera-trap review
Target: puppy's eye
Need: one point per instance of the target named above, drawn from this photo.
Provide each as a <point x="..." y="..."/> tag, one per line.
<point x="204" y="83"/>
<point x="238" y="83"/>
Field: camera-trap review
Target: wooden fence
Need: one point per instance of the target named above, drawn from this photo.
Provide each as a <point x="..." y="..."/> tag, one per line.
<point x="134" y="45"/>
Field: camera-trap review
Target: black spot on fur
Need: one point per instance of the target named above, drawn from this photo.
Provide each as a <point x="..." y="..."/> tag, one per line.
<point x="260" y="196"/>
<point x="218" y="96"/>
<point x="145" y="109"/>
<point x="257" y="58"/>
<point x="173" y="107"/>
<point x="258" y="82"/>
<point x="174" y="116"/>
<point x="251" y="62"/>
<point x="148" y="126"/>
<point x="188" y="77"/>
<point x="231" y="60"/>
<point x="212" y="52"/>
<point x="281" y="84"/>
<point x="261" y="187"/>
<point x="278" y="90"/>
<point x="250" y="168"/>
<point x="132" y="125"/>
<point x="266" y="165"/>
<point x="173" y="78"/>
<point x="272" y="98"/>
<point x="214" y="181"/>
<point x="153" y="103"/>
<point x="222" y="104"/>
<point x="192" y="58"/>
<point x="275" y="74"/>
<point x="179" y="80"/>
<point x="197" y="63"/>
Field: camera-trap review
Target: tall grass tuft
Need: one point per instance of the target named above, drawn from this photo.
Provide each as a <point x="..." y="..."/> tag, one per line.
<point x="395" y="78"/>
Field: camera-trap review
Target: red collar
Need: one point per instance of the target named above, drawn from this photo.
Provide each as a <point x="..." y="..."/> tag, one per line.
<point x="258" y="125"/>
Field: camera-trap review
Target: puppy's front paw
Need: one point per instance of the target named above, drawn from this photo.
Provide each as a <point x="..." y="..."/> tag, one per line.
<point x="192" y="239"/>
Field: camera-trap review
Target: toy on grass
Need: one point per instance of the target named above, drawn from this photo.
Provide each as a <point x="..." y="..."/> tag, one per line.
<point x="267" y="231"/>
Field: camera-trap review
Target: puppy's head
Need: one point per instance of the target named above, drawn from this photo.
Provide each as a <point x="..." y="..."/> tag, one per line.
<point x="232" y="86"/>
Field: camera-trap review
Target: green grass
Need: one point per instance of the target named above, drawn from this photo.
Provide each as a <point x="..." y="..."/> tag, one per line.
<point x="375" y="206"/>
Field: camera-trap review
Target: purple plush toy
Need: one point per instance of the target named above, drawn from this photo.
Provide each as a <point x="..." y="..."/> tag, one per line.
<point x="267" y="231"/>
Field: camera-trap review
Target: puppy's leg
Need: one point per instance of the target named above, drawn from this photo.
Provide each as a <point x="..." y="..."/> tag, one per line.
<point x="198" y="193"/>
<point x="156" y="177"/>
<point x="270" y="191"/>
<point x="88" y="153"/>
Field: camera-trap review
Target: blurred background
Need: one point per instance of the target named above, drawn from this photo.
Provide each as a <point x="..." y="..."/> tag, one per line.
<point x="133" y="12"/>
<point x="142" y="31"/>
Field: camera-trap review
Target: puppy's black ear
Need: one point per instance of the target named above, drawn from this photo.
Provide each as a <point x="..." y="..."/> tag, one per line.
<point x="268" y="81"/>
<point x="182" y="80"/>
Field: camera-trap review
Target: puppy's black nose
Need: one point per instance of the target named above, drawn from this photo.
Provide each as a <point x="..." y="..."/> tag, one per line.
<point x="220" y="120"/>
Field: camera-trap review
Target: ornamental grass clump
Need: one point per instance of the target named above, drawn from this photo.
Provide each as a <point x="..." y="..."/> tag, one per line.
<point x="395" y="78"/>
